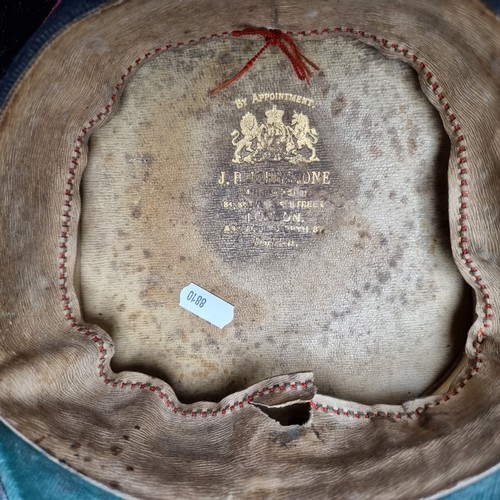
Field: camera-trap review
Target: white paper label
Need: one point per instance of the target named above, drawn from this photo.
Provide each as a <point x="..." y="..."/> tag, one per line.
<point x="206" y="305"/>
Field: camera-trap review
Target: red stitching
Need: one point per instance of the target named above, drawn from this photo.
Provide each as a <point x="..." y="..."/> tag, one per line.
<point x="66" y="219"/>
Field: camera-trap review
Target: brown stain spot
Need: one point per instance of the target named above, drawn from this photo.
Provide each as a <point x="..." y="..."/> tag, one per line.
<point x="128" y="246"/>
<point x="364" y="234"/>
<point x="75" y="446"/>
<point x="409" y="224"/>
<point x="137" y="427"/>
<point x="289" y="437"/>
<point x="392" y="195"/>
<point x="376" y="152"/>
<point x="383" y="276"/>
<point x="206" y="368"/>
<point x="146" y="253"/>
<point x="136" y="212"/>
<point x="182" y="258"/>
<point x="121" y="307"/>
<point x="338" y="104"/>
<point x="87" y="459"/>
<point x="196" y="346"/>
<point x="436" y="422"/>
<point x="127" y="438"/>
<point x="129" y="468"/>
<point x="412" y="146"/>
<point x="153" y="295"/>
<point x="116" y="450"/>
<point x="133" y="316"/>
<point x="114" y="484"/>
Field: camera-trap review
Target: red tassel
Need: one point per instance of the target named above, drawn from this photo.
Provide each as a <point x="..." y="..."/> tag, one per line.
<point x="281" y="40"/>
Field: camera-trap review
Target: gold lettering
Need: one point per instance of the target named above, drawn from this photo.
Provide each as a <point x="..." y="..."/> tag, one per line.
<point x="274" y="96"/>
<point x="292" y="217"/>
<point x="237" y="178"/>
<point x="316" y="177"/>
<point x="222" y="178"/>
<point x="326" y="177"/>
<point x="240" y="103"/>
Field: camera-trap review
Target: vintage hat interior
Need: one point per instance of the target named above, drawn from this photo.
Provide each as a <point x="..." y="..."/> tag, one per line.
<point x="350" y="222"/>
<point x="340" y="265"/>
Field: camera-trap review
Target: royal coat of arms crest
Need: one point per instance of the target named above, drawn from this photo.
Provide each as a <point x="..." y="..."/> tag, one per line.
<point x="273" y="140"/>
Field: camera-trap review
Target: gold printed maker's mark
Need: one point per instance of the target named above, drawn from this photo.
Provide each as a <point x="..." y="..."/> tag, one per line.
<point x="268" y="197"/>
<point x="273" y="140"/>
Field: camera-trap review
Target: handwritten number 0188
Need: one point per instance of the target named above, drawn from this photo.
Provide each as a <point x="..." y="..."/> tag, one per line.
<point x="197" y="299"/>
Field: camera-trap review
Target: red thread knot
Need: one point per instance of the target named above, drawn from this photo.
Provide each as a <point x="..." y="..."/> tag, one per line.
<point x="279" y="39"/>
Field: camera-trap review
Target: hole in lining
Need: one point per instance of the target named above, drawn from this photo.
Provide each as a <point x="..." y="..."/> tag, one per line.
<point x="291" y="414"/>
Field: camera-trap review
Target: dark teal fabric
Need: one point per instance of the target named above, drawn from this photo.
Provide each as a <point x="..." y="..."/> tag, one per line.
<point x="487" y="488"/>
<point x="494" y="5"/>
<point x="26" y="474"/>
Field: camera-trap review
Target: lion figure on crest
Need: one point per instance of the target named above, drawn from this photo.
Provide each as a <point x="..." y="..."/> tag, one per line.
<point x="250" y="131"/>
<point x="304" y="135"/>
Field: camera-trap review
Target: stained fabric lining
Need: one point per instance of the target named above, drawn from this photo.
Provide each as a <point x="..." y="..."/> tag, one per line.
<point x="343" y="352"/>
